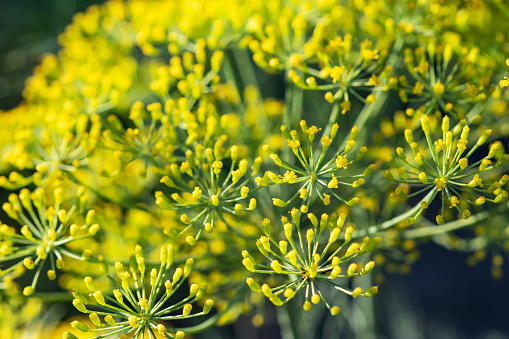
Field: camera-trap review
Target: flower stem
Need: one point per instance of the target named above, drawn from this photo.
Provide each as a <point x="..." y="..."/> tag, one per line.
<point x="392" y="222"/>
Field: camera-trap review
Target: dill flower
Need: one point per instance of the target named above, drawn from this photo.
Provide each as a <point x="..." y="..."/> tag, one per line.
<point x="345" y="71"/>
<point x="457" y="84"/>
<point x="278" y="45"/>
<point x="144" y="143"/>
<point x="190" y="76"/>
<point x="52" y="154"/>
<point x="209" y="190"/>
<point x="256" y="119"/>
<point x="316" y="174"/>
<point x="444" y="168"/>
<point x="94" y="70"/>
<point x="154" y="137"/>
<point x="46" y="231"/>
<point x="306" y="263"/>
<point x="141" y="311"/>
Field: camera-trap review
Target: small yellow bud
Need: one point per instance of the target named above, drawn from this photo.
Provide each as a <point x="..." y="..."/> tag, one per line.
<point x="248" y="264"/>
<point x="283" y="246"/>
<point x="133" y="321"/>
<point x="329" y="97"/>
<point x="80" y="326"/>
<point x="214" y="200"/>
<point x="90" y="284"/>
<point x="438" y="89"/>
<point x="351" y="269"/>
<point x="252" y="204"/>
<point x="79" y="305"/>
<point x="278" y="202"/>
<point x="161" y="329"/>
<point x="29" y="263"/>
<point x="99" y="298"/>
<point x="424" y="124"/>
<point x="335" y="310"/>
<point x="348" y="234"/>
<point x="276" y="266"/>
<point x="95" y="319"/>
<point x="51" y="275"/>
<point x="187" y="310"/>
<point x="109" y="320"/>
<point x="28" y="291"/>
<point x="253" y="285"/>
<point x="371" y="291"/>
<point x="289" y="293"/>
<point x="177" y="275"/>
<point x="423" y="178"/>
<point x="41" y="253"/>
<point x="336" y="271"/>
<point x="326" y="199"/>
<point x="208" y="306"/>
<point x="315" y="299"/>
<point x="353" y="249"/>
<point x="267" y="291"/>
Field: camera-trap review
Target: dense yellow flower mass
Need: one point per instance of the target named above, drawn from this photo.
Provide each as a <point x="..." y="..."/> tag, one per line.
<point x="177" y="117"/>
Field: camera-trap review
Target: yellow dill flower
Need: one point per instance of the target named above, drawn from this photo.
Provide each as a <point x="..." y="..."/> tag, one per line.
<point x="53" y="154"/>
<point x="306" y="263"/>
<point x="46" y="232"/>
<point x="442" y="80"/>
<point x="314" y="172"/>
<point x="445" y="169"/>
<point x="216" y="191"/>
<point x="135" y="312"/>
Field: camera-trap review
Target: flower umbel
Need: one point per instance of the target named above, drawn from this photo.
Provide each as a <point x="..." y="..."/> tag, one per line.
<point x="211" y="191"/>
<point x="448" y="171"/>
<point x="315" y="174"/>
<point x="308" y="263"/>
<point x="441" y="80"/>
<point x="45" y="233"/>
<point x="138" y="312"/>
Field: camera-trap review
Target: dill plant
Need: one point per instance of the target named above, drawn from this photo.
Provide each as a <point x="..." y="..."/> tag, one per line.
<point x="171" y="118"/>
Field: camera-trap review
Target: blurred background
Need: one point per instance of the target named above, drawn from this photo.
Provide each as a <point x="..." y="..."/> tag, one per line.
<point x="441" y="297"/>
<point x="28" y="29"/>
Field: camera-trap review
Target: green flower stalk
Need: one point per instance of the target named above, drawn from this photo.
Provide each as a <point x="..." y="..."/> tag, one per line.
<point x="45" y="232"/>
<point x="444" y="169"/>
<point x="316" y="174"/>
<point x="137" y="312"/>
<point x="306" y="263"/>
<point x="211" y="191"/>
